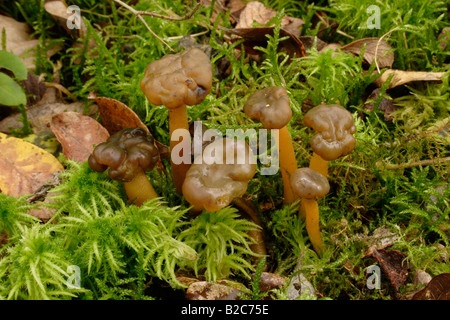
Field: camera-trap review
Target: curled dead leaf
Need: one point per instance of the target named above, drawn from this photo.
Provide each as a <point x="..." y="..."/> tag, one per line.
<point x="401" y="77"/>
<point x="256" y="12"/>
<point x="437" y="289"/>
<point x="116" y="115"/>
<point x="374" y="48"/>
<point x="394" y="265"/>
<point x="65" y="17"/>
<point x="78" y="134"/>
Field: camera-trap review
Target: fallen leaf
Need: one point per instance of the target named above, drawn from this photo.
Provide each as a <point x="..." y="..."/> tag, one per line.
<point x="254" y="37"/>
<point x="78" y="134"/>
<point x="24" y="167"/>
<point x="204" y="290"/>
<point x="116" y="116"/>
<point x="401" y="77"/>
<point x="374" y="48"/>
<point x="40" y="114"/>
<point x="444" y="37"/>
<point x="386" y="105"/>
<point x="421" y="278"/>
<point x="437" y="289"/>
<point x="256" y="12"/>
<point x="270" y="281"/>
<point x="393" y="264"/>
<point x="18" y="39"/>
<point x="58" y="9"/>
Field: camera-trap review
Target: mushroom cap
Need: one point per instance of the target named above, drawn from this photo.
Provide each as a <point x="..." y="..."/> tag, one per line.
<point x="270" y="106"/>
<point x="307" y="183"/>
<point x="335" y="128"/>
<point x="125" y="153"/>
<point x="180" y="79"/>
<point x="216" y="181"/>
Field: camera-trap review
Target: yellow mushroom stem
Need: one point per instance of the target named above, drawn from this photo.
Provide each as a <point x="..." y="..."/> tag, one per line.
<point x="139" y="189"/>
<point x="288" y="162"/>
<point x="319" y="164"/>
<point x="178" y="120"/>
<point x="312" y="223"/>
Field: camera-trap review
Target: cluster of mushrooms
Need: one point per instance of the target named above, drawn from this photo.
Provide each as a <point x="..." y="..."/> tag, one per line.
<point x="185" y="78"/>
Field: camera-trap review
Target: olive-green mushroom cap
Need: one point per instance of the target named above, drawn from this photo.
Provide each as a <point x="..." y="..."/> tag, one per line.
<point x="180" y="79"/>
<point x="125" y="153"/>
<point x="335" y="127"/>
<point x="270" y="106"/>
<point x="307" y="183"/>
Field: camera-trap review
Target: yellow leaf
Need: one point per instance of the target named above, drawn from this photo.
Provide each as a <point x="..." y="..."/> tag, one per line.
<point x="24" y="167"/>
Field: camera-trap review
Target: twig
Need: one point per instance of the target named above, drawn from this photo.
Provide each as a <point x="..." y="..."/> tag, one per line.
<point x="389" y="166"/>
<point x="378" y="43"/>
<point x="139" y="15"/>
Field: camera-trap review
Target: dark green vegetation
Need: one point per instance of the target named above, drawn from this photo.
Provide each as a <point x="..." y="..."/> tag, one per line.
<point x="393" y="178"/>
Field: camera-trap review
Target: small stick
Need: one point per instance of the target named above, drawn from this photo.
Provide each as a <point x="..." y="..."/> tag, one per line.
<point x="390" y="166"/>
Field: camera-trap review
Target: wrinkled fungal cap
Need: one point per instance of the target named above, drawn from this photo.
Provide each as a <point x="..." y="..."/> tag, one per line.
<point x="307" y="183"/>
<point x="335" y="128"/>
<point x="125" y="153"/>
<point x="270" y="106"/>
<point x="220" y="175"/>
<point x="180" y="79"/>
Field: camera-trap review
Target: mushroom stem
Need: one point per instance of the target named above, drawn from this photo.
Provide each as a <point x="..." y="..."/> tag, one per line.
<point x="319" y="164"/>
<point x="139" y="189"/>
<point x="312" y="223"/>
<point x="178" y="120"/>
<point x="288" y="162"/>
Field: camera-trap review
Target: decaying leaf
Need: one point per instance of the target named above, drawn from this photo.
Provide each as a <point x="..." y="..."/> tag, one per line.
<point x="78" y="134"/>
<point x="24" y="167"/>
<point x="256" y="12"/>
<point x="66" y="17"/>
<point x="374" y="48"/>
<point x="18" y="39"/>
<point x="116" y="116"/>
<point x="437" y="289"/>
<point x="401" y="77"/>
<point x="386" y="105"/>
<point x="254" y="37"/>
<point x="270" y="281"/>
<point x="204" y="290"/>
<point x="40" y="114"/>
<point x="394" y="265"/>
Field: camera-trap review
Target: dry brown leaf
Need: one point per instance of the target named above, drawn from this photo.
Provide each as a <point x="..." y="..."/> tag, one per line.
<point x="257" y="37"/>
<point x="116" y="116"/>
<point x="394" y="265"/>
<point x="401" y="77"/>
<point x="78" y="134"/>
<point x="18" y="39"/>
<point x="58" y="10"/>
<point x="256" y="12"/>
<point x="385" y="56"/>
<point x="203" y="290"/>
<point x="40" y="114"/>
<point x="437" y="289"/>
<point x="24" y="167"/>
